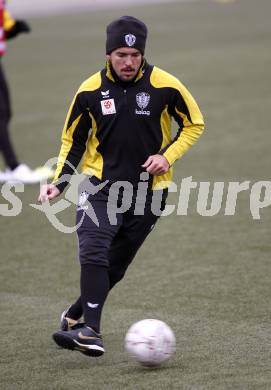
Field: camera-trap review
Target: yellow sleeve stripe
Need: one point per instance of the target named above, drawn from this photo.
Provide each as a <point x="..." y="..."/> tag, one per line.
<point x="91" y="84"/>
<point x="162" y="79"/>
<point x="9" y="22"/>
<point x="192" y="106"/>
<point x="67" y="142"/>
<point x="191" y="129"/>
<point x="189" y="135"/>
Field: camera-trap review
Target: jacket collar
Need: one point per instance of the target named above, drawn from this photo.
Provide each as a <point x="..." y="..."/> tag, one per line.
<point x="110" y="75"/>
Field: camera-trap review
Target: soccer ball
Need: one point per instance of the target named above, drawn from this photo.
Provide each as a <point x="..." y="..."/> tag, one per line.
<point x="150" y="342"/>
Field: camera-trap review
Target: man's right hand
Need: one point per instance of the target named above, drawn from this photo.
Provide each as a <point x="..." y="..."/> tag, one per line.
<point x="48" y="192"/>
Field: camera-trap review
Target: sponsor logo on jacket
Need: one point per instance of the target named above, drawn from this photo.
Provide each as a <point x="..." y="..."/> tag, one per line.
<point x="108" y="107"/>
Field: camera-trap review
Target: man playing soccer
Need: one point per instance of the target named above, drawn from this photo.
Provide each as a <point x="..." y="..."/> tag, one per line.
<point x="120" y="122"/>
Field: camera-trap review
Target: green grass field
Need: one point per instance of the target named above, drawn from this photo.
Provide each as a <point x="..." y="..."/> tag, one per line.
<point x="207" y="277"/>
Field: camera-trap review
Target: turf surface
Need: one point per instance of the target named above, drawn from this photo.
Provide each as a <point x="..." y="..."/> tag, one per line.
<point x="207" y="277"/>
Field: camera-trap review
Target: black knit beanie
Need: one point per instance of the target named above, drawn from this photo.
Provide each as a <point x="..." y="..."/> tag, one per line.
<point x="126" y="31"/>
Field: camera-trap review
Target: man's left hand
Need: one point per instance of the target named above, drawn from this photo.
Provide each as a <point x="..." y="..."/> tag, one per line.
<point x="156" y="165"/>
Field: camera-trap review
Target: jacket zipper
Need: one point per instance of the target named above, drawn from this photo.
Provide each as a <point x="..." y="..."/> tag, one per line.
<point x="125" y="98"/>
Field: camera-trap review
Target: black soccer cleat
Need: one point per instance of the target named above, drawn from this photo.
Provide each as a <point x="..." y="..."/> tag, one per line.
<point x="82" y="339"/>
<point x="67" y="323"/>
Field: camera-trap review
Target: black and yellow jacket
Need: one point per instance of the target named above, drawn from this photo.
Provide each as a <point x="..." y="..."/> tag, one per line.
<point x="116" y="127"/>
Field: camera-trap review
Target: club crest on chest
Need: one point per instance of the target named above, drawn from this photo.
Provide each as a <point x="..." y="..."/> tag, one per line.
<point x="142" y="100"/>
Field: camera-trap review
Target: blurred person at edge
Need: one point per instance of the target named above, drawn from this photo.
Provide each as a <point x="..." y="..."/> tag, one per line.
<point x="16" y="171"/>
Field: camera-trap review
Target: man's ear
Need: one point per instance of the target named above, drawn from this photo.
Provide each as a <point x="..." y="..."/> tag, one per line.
<point x="107" y="57"/>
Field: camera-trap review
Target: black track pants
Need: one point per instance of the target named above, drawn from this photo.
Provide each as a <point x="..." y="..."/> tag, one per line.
<point x="114" y="241"/>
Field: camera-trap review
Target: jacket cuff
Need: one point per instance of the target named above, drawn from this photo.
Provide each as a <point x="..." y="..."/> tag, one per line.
<point x="61" y="185"/>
